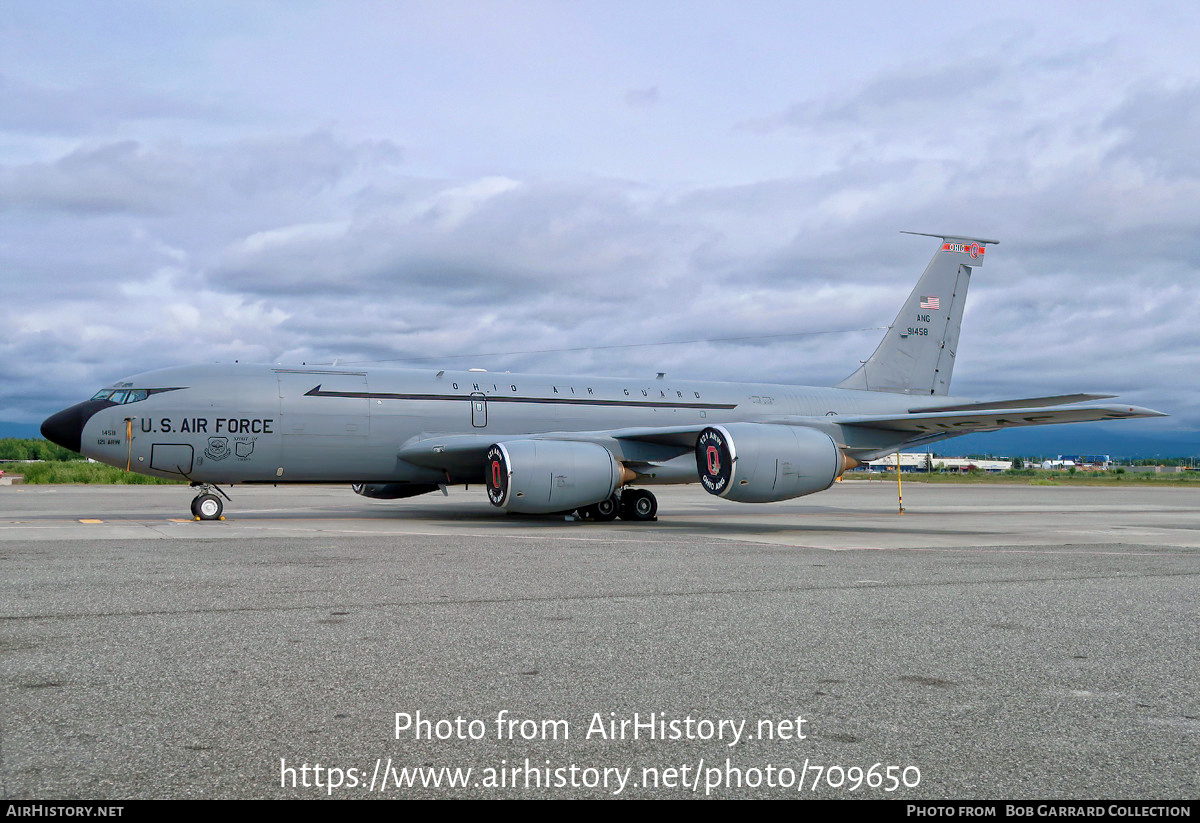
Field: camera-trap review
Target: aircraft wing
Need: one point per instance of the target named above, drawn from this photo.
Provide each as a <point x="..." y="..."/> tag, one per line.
<point x="459" y="453"/>
<point x="988" y="418"/>
<point x="1023" y="403"/>
<point x="871" y="436"/>
<point x="863" y="436"/>
<point x="963" y="419"/>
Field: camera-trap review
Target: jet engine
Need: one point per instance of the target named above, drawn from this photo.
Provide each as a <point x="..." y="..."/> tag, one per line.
<point x="765" y="462"/>
<point x="542" y="476"/>
<point x="392" y="491"/>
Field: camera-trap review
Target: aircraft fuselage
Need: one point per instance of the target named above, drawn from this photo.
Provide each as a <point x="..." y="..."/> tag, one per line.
<point x="270" y="424"/>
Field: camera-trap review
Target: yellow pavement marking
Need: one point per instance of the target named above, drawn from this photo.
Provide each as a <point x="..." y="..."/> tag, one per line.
<point x="91" y="521"/>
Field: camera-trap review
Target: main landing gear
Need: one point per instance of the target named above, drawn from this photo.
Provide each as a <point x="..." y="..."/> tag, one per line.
<point x="206" y="505"/>
<point x="604" y="511"/>
<point x="637" y="505"/>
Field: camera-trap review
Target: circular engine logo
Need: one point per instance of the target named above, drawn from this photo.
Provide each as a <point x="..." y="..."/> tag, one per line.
<point x="714" y="460"/>
<point x="496" y="473"/>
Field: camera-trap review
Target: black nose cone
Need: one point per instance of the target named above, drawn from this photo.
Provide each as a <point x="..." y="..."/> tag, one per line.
<point x="65" y="428"/>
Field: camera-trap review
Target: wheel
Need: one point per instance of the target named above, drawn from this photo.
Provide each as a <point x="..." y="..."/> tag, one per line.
<point x="207" y="507"/>
<point x="638" y="504"/>
<point x="605" y="510"/>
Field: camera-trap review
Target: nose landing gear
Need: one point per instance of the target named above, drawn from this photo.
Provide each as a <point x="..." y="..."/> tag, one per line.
<point x="206" y="505"/>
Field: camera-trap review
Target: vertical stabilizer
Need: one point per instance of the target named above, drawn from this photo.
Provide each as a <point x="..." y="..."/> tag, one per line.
<point x="917" y="352"/>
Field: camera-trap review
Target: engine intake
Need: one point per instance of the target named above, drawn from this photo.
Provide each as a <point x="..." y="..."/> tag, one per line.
<point x="542" y="476"/>
<point x="766" y="462"/>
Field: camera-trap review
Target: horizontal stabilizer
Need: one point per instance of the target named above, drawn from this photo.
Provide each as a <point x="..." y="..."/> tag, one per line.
<point x="953" y="238"/>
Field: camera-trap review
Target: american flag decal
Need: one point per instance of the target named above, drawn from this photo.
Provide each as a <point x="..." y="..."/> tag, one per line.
<point x="930" y="303"/>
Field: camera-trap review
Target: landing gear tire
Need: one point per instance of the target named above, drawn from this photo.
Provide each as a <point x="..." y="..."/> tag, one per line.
<point x="604" y="511"/>
<point x="207" y="507"/>
<point x="639" y="505"/>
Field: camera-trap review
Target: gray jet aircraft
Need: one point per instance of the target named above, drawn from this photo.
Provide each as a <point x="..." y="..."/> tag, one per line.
<point x="540" y="443"/>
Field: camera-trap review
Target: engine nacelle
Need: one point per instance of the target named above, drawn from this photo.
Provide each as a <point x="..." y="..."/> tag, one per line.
<point x="392" y="491"/>
<point x="542" y="476"/>
<point x="766" y="462"/>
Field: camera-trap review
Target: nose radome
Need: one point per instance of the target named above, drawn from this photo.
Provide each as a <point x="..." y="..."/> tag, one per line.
<point x="65" y="428"/>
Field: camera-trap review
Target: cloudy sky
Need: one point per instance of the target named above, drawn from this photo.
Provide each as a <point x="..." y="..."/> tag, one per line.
<point x="416" y="181"/>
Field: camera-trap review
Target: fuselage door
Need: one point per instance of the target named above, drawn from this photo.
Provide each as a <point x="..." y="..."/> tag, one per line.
<point x="325" y="420"/>
<point x="323" y="403"/>
<point x="478" y="410"/>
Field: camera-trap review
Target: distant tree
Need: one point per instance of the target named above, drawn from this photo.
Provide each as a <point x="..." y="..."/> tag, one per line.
<point x="15" y="448"/>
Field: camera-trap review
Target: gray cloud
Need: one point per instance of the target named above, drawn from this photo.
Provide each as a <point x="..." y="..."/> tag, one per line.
<point x="393" y="267"/>
<point x="642" y="98"/>
<point x="126" y="249"/>
<point x="128" y="176"/>
<point x="116" y="177"/>
<point x="946" y="92"/>
<point x="1158" y="128"/>
<point x="36" y="109"/>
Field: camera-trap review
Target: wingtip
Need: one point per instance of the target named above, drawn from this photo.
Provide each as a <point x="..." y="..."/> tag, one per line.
<point x="1138" y="411"/>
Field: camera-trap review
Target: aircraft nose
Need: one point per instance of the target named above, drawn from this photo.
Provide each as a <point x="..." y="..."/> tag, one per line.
<point x="65" y="428"/>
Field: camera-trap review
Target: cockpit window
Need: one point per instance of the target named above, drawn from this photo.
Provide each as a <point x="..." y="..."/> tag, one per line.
<point x="129" y="395"/>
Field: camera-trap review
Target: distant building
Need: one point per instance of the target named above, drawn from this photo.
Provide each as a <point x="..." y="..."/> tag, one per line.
<point x="909" y="462"/>
<point x="926" y="461"/>
<point x="1087" y="461"/>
